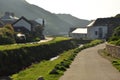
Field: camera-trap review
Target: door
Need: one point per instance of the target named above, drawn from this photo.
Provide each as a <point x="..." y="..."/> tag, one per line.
<point x="100" y="33"/>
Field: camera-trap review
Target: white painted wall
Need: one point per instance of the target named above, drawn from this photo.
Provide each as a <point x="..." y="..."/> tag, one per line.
<point x="91" y="32"/>
<point x="78" y="36"/>
<point x="24" y="23"/>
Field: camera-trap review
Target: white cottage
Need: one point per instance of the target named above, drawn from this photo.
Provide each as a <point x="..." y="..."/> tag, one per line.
<point x="96" y="31"/>
<point x="79" y="33"/>
<point x="102" y="28"/>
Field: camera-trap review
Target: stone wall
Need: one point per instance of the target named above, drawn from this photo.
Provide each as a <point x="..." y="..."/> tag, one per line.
<point x="113" y="50"/>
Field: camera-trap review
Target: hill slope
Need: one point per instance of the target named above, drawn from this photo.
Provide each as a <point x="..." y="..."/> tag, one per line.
<point x="54" y="24"/>
<point x="73" y="20"/>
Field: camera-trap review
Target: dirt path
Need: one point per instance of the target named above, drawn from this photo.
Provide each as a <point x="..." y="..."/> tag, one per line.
<point x="46" y="39"/>
<point x="89" y="65"/>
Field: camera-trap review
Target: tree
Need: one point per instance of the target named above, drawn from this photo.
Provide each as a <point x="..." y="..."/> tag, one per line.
<point x="117" y="16"/>
<point x="117" y="31"/>
<point x="9" y="26"/>
<point x="39" y="32"/>
<point x="7" y="35"/>
<point x="115" y="39"/>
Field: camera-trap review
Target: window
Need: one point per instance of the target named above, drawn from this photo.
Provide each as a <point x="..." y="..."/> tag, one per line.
<point x="96" y="33"/>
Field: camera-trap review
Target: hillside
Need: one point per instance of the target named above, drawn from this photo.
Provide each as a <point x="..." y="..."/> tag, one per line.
<point x="54" y="24"/>
<point x="76" y="22"/>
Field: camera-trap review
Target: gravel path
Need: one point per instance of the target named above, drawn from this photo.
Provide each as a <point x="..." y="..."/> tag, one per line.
<point x="89" y="65"/>
<point x="46" y="39"/>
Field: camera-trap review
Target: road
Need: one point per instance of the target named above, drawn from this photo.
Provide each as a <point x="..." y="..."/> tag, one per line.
<point x="89" y="65"/>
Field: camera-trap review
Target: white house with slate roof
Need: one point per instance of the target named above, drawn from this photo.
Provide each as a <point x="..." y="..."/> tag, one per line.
<point x="101" y="28"/>
<point x="96" y="31"/>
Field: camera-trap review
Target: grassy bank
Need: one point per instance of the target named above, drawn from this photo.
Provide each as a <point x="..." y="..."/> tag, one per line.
<point x="42" y="69"/>
<point x="13" y="58"/>
<point x="51" y="70"/>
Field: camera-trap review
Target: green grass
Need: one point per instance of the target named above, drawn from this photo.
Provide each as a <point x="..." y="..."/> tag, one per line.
<point x="42" y="69"/>
<point x="116" y="63"/>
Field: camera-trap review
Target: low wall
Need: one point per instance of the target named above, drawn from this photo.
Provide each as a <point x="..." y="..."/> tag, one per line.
<point x="113" y="50"/>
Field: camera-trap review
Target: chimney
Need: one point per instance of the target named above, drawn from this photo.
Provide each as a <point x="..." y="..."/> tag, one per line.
<point x="7" y="13"/>
<point x="12" y="14"/>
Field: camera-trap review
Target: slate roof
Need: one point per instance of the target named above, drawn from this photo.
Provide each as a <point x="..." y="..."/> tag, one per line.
<point x="80" y="31"/>
<point x="104" y="21"/>
<point x="9" y="16"/>
<point x="34" y="23"/>
<point x="22" y="18"/>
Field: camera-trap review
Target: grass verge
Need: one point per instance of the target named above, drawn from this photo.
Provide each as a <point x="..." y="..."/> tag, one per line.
<point x="42" y="69"/>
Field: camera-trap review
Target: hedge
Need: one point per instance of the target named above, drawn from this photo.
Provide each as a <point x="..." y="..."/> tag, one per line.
<point x="14" y="59"/>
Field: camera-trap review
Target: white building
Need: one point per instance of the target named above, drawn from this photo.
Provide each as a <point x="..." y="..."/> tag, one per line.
<point x="101" y="28"/>
<point x="79" y="33"/>
<point x="96" y="31"/>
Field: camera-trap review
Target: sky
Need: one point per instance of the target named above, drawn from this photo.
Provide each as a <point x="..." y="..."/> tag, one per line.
<point x="83" y="9"/>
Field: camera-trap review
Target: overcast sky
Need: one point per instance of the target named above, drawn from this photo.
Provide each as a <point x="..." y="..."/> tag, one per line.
<point x="84" y="9"/>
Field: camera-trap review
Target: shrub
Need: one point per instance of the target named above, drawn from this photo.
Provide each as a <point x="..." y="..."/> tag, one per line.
<point x="116" y="31"/>
<point x="54" y="71"/>
<point x="37" y="39"/>
<point x="66" y="63"/>
<point x="117" y="42"/>
<point x="116" y="63"/>
<point x="114" y="38"/>
<point x="7" y="35"/>
<point x="60" y="67"/>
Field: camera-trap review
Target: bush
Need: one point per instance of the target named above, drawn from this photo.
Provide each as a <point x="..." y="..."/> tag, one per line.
<point x="116" y="63"/>
<point x="117" y="42"/>
<point x="116" y="31"/>
<point x="37" y="39"/>
<point x="54" y="71"/>
<point x="7" y="35"/>
<point x="60" y="67"/>
<point x="114" y="38"/>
